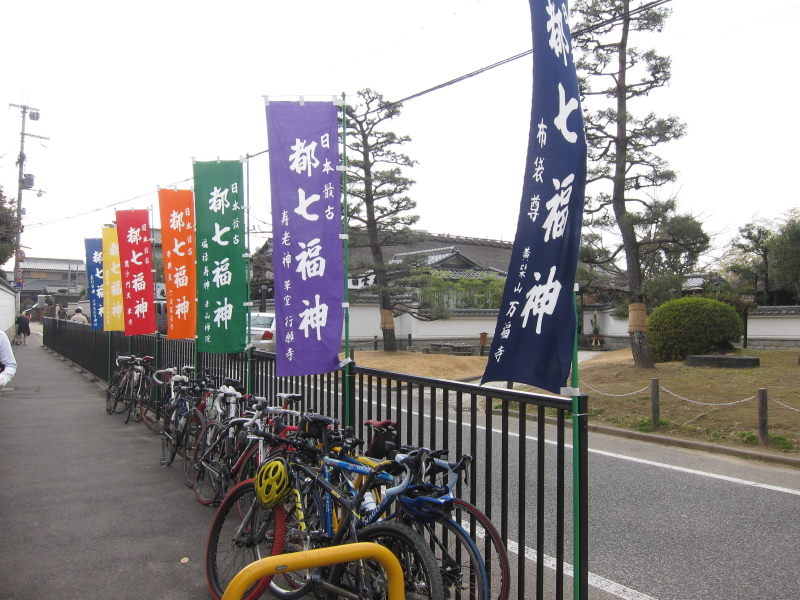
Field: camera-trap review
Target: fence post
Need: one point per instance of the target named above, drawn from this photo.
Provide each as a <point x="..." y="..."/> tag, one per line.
<point x="655" y="409"/>
<point x="763" y="433"/>
<point x="409" y="342"/>
<point x="375" y="342"/>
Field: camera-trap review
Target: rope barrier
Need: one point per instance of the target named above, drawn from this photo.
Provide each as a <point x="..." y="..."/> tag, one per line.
<point x="647" y="387"/>
<point x="707" y="403"/>
<point x="785" y="405"/>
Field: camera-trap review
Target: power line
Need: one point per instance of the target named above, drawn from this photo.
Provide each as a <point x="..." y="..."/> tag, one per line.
<point x="578" y="32"/>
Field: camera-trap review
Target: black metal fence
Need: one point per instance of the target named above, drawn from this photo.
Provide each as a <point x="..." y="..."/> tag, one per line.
<point x="518" y="478"/>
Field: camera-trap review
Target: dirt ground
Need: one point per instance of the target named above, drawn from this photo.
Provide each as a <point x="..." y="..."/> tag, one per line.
<point x="695" y="402"/>
<point x="439" y="366"/>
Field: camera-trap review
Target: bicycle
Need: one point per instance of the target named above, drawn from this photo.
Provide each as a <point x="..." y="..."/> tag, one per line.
<point x="305" y="486"/>
<point x="226" y="451"/>
<point x="384" y="443"/>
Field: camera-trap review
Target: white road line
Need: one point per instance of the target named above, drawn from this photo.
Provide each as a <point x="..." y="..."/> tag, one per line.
<point x="596" y="581"/>
<point x="736" y="480"/>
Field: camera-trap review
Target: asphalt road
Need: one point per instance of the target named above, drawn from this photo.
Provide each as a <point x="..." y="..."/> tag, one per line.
<point x="664" y="522"/>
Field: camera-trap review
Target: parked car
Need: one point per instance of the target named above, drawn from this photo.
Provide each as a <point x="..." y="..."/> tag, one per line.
<point x="262" y="331"/>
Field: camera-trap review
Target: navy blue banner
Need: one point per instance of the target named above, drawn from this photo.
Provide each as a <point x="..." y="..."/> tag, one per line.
<point x="94" y="280"/>
<point x="535" y="331"/>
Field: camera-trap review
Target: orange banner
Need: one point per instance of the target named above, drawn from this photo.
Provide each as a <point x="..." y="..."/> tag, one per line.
<point x="180" y="271"/>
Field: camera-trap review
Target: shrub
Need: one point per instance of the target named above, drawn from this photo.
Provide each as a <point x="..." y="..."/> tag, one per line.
<point x="692" y="326"/>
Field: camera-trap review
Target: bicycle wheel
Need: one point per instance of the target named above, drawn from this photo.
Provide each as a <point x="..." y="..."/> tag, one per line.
<point x="243" y="531"/>
<point x="248" y="464"/>
<point x="112" y="392"/>
<point x="148" y="408"/>
<point x="171" y="436"/>
<point x="460" y="562"/>
<point x="489" y="542"/>
<point x="123" y="393"/>
<point x="132" y="399"/>
<point x="194" y="424"/>
<point x="208" y="463"/>
<point x="309" y="535"/>
<point x="367" y="579"/>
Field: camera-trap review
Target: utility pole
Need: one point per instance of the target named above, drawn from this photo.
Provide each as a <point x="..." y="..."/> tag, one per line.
<point x="22" y="184"/>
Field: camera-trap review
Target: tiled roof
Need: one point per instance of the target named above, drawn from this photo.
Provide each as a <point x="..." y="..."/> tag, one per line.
<point x="774" y="310"/>
<point x="52" y="264"/>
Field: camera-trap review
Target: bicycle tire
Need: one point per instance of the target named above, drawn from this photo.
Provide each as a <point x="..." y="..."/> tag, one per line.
<point x="208" y="463"/>
<point x="148" y="408"/>
<point x="243" y="531"/>
<point x="132" y="402"/>
<point x="173" y="435"/>
<point x="460" y="562"/>
<point x="111" y="393"/>
<point x="248" y="464"/>
<point x="367" y="578"/>
<point x="495" y="558"/>
<point x="122" y="393"/>
<point x="194" y="424"/>
<point x="296" y="584"/>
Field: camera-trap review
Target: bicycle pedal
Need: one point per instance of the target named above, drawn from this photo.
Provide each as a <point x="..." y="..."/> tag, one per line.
<point x="162" y="462"/>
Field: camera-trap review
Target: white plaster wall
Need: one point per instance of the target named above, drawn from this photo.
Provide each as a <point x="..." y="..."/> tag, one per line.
<point x="609" y="324"/>
<point x="777" y="327"/>
<point x="8" y="307"/>
<point x="780" y="327"/>
<point x="365" y="324"/>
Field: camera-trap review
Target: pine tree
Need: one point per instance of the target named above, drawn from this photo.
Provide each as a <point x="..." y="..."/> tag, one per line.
<point x="376" y="182"/>
<point x="613" y="73"/>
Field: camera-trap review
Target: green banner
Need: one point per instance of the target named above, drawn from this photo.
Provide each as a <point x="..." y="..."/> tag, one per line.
<point x="221" y="245"/>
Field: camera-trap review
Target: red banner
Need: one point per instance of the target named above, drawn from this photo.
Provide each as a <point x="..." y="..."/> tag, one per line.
<point x="136" y="260"/>
<point x="180" y="267"/>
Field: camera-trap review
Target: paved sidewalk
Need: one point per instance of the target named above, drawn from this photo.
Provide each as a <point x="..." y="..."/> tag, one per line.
<point x="87" y="512"/>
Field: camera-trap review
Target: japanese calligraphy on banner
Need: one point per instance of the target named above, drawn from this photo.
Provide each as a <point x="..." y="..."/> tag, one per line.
<point x="535" y="329"/>
<point x="180" y="272"/>
<point x="94" y="277"/>
<point x="136" y="262"/>
<point x="306" y="222"/>
<point x="221" y="246"/>
<point x="113" y="311"/>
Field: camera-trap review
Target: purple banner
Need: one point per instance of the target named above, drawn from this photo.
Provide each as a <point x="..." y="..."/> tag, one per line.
<point x="306" y="223"/>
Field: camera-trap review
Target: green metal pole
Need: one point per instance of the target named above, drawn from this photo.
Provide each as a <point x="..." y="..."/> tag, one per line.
<point x="348" y="417"/>
<point x="249" y="265"/>
<point x="576" y="463"/>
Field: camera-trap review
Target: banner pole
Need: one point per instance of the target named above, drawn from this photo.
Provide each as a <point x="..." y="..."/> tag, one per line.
<point x="248" y="267"/>
<point x="348" y="417"/>
<point x="578" y="469"/>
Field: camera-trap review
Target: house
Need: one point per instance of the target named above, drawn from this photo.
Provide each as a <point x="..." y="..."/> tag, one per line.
<point x="62" y="278"/>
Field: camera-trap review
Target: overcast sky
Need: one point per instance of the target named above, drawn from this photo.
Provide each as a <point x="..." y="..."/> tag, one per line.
<point x="130" y="93"/>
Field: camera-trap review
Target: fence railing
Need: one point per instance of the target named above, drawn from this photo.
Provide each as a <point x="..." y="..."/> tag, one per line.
<point x="518" y="478"/>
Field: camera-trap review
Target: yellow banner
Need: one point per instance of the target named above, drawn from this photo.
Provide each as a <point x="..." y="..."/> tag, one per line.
<point x="113" y="313"/>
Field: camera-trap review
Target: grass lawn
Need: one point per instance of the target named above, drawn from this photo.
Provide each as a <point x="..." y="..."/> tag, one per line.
<point x="613" y="374"/>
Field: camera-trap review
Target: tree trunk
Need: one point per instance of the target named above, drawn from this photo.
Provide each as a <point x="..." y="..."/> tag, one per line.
<point x="625" y="221"/>
<point x="641" y="350"/>
<point x="387" y="324"/>
<point x="637" y="331"/>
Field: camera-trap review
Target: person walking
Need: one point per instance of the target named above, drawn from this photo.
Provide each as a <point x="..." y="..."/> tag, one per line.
<point x="62" y="312"/>
<point x="23" y="329"/>
<point x="79" y="317"/>
<point x="7" y="360"/>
